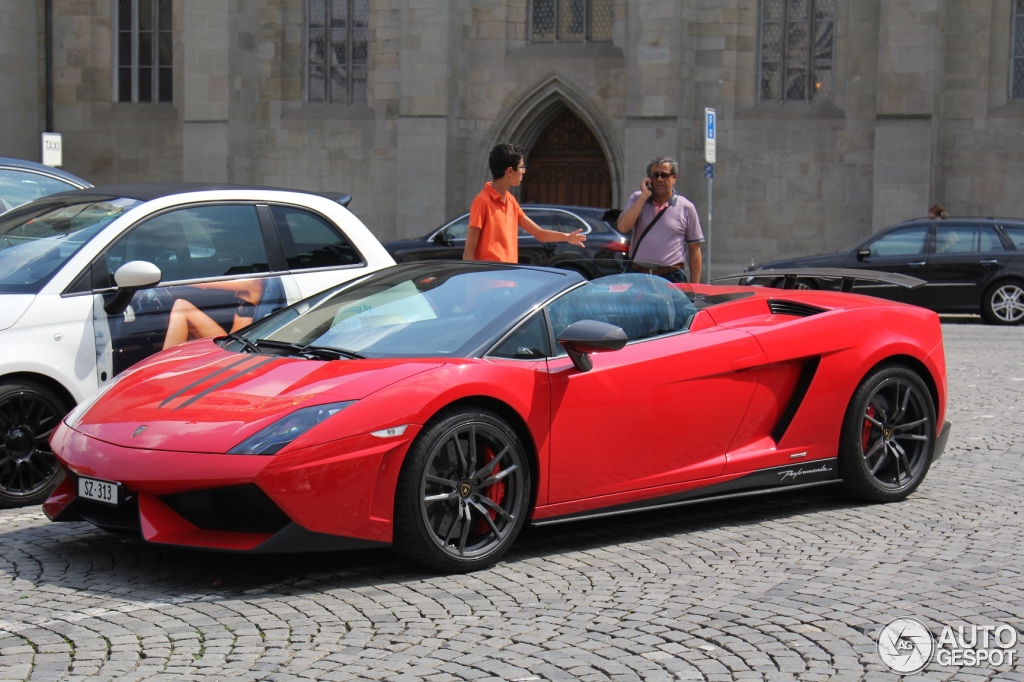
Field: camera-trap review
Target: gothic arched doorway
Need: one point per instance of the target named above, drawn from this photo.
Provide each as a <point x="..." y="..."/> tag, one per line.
<point x="567" y="166"/>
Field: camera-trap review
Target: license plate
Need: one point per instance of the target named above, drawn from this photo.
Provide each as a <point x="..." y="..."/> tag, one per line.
<point x="99" y="491"/>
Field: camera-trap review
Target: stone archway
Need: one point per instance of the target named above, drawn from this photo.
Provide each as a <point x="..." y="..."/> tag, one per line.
<point x="567" y="166"/>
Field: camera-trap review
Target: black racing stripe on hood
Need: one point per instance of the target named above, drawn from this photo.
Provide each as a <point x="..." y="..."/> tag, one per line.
<point x="199" y="381"/>
<point x="222" y="382"/>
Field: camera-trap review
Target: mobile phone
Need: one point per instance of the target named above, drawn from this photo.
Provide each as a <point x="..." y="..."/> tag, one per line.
<point x="650" y="188"/>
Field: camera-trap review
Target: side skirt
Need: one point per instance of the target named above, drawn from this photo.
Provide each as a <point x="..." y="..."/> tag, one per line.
<point x="765" y="481"/>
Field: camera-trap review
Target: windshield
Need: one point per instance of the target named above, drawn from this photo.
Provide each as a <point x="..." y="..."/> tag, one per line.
<point x="19" y="186"/>
<point x="36" y="241"/>
<point x="417" y="311"/>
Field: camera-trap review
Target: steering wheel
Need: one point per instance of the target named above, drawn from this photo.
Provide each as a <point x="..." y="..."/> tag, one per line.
<point x="152" y="301"/>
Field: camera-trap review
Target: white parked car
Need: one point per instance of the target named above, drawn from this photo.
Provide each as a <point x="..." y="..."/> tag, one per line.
<point x="94" y="280"/>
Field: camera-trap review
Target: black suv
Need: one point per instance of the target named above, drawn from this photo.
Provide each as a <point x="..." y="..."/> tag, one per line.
<point x="970" y="265"/>
<point x="603" y="254"/>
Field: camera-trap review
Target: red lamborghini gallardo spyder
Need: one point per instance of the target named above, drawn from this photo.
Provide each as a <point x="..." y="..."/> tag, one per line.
<point x="440" y="406"/>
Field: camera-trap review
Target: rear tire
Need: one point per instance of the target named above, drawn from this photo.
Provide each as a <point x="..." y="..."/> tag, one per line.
<point x="463" y="493"/>
<point x="29" y="471"/>
<point x="888" y="436"/>
<point x="1004" y="303"/>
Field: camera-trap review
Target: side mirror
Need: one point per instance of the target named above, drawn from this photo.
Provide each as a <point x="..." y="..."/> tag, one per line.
<point x="581" y="338"/>
<point x="441" y="239"/>
<point x="131" y="277"/>
<point x="863" y="254"/>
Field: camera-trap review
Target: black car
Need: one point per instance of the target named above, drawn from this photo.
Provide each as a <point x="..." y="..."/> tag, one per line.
<point x="23" y="181"/>
<point x="970" y="265"/>
<point x="603" y="254"/>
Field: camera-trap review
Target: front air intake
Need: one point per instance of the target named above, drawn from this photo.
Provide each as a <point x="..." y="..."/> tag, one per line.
<point x="240" y="508"/>
<point x="792" y="308"/>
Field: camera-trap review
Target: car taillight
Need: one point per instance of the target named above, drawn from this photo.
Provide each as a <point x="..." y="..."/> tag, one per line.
<point x="617" y="247"/>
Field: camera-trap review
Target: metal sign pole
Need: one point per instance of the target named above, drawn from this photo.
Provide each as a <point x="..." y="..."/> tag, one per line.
<point x="711" y="176"/>
<point x="710" y="133"/>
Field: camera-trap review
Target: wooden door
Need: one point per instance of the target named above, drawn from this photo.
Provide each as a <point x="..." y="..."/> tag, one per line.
<point x="567" y="166"/>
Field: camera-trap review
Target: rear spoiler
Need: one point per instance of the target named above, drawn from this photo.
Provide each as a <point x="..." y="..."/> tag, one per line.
<point x="337" y="197"/>
<point x="847" y="276"/>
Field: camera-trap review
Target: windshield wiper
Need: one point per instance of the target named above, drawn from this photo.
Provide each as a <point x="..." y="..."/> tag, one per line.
<point x="332" y="351"/>
<point x="246" y="343"/>
<point x="321" y="352"/>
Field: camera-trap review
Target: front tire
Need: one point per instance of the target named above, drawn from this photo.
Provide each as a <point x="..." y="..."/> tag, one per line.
<point x="463" y="493"/>
<point x="29" y="470"/>
<point x="888" y="436"/>
<point x="1004" y="303"/>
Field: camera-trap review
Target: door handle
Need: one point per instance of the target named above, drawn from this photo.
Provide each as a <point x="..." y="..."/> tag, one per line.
<point x="991" y="261"/>
<point x="917" y="264"/>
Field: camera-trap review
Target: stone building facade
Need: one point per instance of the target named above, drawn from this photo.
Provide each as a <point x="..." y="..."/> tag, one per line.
<point x="920" y="107"/>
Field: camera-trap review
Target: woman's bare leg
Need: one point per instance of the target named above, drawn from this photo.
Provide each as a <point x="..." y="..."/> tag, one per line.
<point x="189" y="322"/>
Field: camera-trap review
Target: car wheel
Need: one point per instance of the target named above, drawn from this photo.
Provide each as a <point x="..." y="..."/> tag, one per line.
<point x="1004" y="303"/>
<point x="463" y="492"/>
<point x="888" y="435"/>
<point x="29" y="470"/>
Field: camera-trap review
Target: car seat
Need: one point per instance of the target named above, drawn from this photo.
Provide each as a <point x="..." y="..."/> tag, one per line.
<point x="272" y="299"/>
<point x="641" y="305"/>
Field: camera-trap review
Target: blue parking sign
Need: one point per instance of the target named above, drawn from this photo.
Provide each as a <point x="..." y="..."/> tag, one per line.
<point x="709" y="135"/>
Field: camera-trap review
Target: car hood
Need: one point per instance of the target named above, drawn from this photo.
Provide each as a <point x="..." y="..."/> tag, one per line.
<point x="211" y="401"/>
<point x="12" y="307"/>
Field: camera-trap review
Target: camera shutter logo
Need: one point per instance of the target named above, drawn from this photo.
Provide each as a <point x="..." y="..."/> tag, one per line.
<point x="905" y="645"/>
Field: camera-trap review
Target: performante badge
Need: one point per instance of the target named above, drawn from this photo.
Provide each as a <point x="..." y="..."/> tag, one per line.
<point x="139" y="430"/>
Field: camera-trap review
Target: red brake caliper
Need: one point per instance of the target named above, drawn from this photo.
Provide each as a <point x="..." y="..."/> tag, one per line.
<point x="866" y="431"/>
<point x="494" y="492"/>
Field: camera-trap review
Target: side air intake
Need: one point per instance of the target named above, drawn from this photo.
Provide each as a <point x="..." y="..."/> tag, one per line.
<point x="793" y="308"/>
<point x="799" y="392"/>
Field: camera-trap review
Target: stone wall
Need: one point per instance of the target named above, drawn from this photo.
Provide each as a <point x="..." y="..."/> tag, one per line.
<point x="920" y="111"/>
<point x="22" y="109"/>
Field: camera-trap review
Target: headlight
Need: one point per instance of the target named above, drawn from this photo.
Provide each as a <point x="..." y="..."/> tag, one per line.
<point x="270" y="440"/>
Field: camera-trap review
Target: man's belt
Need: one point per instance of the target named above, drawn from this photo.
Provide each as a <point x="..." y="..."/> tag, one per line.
<point x="657" y="270"/>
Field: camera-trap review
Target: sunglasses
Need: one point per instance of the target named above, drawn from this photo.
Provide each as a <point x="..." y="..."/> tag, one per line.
<point x="658" y="174"/>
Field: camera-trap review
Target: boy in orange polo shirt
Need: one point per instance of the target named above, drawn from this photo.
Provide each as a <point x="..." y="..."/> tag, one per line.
<point x="495" y="216"/>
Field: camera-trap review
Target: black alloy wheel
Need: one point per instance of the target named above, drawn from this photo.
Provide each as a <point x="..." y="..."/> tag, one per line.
<point x="29" y="471"/>
<point x="1004" y="303"/>
<point x="888" y="435"/>
<point x="463" y="493"/>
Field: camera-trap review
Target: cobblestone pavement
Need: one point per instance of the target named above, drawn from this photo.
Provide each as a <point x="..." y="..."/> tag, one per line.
<point x="793" y="587"/>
